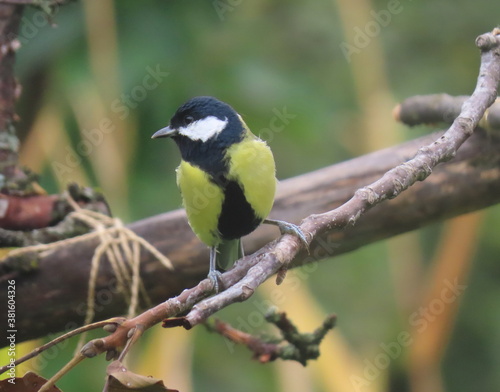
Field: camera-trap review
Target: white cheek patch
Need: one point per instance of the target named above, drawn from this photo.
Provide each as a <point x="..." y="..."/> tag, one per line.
<point x="204" y="129"/>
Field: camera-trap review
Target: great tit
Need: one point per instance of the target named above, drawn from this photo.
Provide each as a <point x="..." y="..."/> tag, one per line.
<point x="226" y="178"/>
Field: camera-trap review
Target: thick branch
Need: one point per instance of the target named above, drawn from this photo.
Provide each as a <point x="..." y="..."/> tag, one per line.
<point x="437" y="108"/>
<point x="469" y="182"/>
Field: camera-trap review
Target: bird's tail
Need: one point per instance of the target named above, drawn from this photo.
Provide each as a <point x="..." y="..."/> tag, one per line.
<point x="228" y="252"/>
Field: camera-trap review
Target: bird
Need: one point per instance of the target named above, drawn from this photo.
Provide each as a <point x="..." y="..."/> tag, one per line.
<point x="227" y="178"/>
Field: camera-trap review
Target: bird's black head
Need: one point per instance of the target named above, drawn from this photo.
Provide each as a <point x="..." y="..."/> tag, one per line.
<point x="204" y="128"/>
<point x="203" y="119"/>
<point x="207" y="112"/>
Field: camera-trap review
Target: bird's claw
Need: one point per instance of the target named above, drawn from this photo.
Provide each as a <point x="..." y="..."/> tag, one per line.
<point x="215" y="277"/>
<point x="290" y="228"/>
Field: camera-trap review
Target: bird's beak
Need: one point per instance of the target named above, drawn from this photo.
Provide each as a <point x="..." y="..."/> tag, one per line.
<point x="164" y="132"/>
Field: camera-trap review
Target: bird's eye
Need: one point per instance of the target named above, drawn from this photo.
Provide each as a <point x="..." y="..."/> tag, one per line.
<point x="188" y="120"/>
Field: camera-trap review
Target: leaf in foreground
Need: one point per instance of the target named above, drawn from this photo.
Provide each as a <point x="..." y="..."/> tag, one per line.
<point x="121" y="379"/>
<point x="31" y="382"/>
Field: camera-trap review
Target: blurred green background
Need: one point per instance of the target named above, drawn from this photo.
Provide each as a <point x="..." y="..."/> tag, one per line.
<point x="88" y="109"/>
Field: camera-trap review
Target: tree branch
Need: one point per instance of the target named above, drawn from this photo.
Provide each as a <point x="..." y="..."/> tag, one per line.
<point x="292" y="345"/>
<point x="389" y="186"/>
<point x="469" y="182"/>
<point x="436" y="108"/>
<point x="10" y="18"/>
<point x="23" y="205"/>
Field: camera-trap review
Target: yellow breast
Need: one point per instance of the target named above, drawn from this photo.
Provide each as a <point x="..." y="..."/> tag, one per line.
<point x="202" y="200"/>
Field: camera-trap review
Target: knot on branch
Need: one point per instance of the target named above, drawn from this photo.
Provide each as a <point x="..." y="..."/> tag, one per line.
<point x="368" y="195"/>
<point x="246" y="292"/>
<point x="92" y="348"/>
<point x="489" y="41"/>
<point x="466" y="124"/>
<point x="423" y="168"/>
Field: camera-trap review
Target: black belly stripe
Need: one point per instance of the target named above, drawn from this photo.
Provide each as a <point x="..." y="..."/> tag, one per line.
<point x="237" y="217"/>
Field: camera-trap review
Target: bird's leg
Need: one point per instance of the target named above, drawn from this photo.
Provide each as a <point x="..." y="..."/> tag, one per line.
<point x="289" y="228"/>
<point x="241" y="249"/>
<point x="213" y="274"/>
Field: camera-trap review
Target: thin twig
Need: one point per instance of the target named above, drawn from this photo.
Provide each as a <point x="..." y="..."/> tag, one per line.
<point x="133" y="336"/>
<point x="59" y="339"/>
<point x="66" y="368"/>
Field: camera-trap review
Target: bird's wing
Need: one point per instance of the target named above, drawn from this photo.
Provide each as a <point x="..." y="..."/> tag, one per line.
<point x="251" y="164"/>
